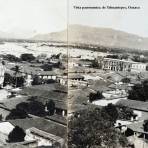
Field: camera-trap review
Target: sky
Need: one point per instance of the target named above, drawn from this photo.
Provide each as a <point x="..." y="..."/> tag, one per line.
<point x="130" y="20"/>
<point x="24" y="18"/>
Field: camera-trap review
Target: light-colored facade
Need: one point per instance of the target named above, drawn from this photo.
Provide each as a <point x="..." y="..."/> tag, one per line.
<point x="43" y="138"/>
<point x="122" y="65"/>
<point x="2" y="72"/>
<point x="5" y="129"/>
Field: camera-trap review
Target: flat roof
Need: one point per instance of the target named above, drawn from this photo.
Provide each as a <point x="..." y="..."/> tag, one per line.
<point x="126" y="61"/>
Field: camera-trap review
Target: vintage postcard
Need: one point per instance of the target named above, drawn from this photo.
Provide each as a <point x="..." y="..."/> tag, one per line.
<point x="73" y="74"/>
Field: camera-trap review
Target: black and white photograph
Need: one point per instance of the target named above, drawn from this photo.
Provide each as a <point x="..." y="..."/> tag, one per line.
<point x="73" y="74"/>
<point x="33" y="74"/>
<point x="108" y="74"/>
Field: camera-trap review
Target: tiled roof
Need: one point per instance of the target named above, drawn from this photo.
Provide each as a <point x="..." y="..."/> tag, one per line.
<point x="45" y="93"/>
<point x="138" y="105"/>
<point x="137" y="127"/>
<point x="41" y="124"/>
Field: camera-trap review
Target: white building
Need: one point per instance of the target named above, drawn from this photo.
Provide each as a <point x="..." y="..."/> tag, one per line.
<point x="2" y="72"/>
<point x="122" y="65"/>
<point x="5" y="129"/>
<point x="43" y="138"/>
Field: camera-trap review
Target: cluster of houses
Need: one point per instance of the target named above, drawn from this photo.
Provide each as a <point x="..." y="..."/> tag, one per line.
<point x="110" y="80"/>
<point x="69" y="89"/>
<point x="40" y="131"/>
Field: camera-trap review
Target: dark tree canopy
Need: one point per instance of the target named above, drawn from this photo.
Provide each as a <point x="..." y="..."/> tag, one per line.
<point x="46" y="67"/>
<point x="36" y="108"/>
<point x="32" y="107"/>
<point x="16" y="68"/>
<point x="138" y="58"/>
<point x="18" y="81"/>
<point x="92" y="129"/>
<point x="16" y="135"/>
<point x="50" y="107"/>
<point x="36" y="80"/>
<point x="114" y="56"/>
<point x="139" y="92"/>
<point x="24" y="108"/>
<point x="17" y="114"/>
<point x="96" y="64"/>
<point x="27" y="57"/>
<point x="145" y="125"/>
<point x="95" y="96"/>
<point x="55" y="56"/>
<point x="126" y="80"/>
<point x="125" y="113"/>
<point x="112" y="111"/>
<point x="11" y="58"/>
<point x="7" y="79"/>
<point x="14" y="81"/>
<point x="1" y="117"/>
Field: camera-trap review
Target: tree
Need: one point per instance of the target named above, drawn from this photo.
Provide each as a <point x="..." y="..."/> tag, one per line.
<point x="50" y="107"/>
<point x="24" y="106"/>
<point x="11" y="58"/>
<point x="145" y="128"/>
<point x="33" y="107"/>
<point x="7" y="79"/>
<point x="125" y="113"/>
<point x="91" y="129"/>
<point x="16" y="69"/>
<point x="17" y="114"/>
<point x="139" y="58"/>
<point x="36" y="80"/>
<point x="139" y="92"/>
<point x="27" y="57"/>
<point x="36" y="108"/>
<point x="126" y="80"/>
<point x="17" y="81"/>
<point x="1" y="117"/>
<point x="124" y="56"/>
<point x="146" y="67"/>
<point x="96" y="64"/>
<point x="54" y="56"/>
<point x="16" y="135"/>
<point x="145" y="125"/>
<point x="112" y="111"/>
<point x="136" y="58"/>
<point x="95" y="96"/>
<point x="46" y="67"/>
<point x="113" y="56"/>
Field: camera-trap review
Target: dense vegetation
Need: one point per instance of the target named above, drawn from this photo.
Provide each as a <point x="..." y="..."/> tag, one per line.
<point x="16" y="135"/>
<point x="93" y="129"/>
<point x="33" y="107"/>
<point x="95" y="96"/>
<point x="139" y="92"/>
<point x="13" y="80"/>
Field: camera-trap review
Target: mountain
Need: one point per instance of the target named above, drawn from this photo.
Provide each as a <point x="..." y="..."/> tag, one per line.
<point x="5" y="35"/>
<point x="97" y="36"/>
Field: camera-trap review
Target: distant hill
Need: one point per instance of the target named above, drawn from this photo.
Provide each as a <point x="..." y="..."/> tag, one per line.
<point x="5" y="35"/>
<point x="97" y="36"/>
